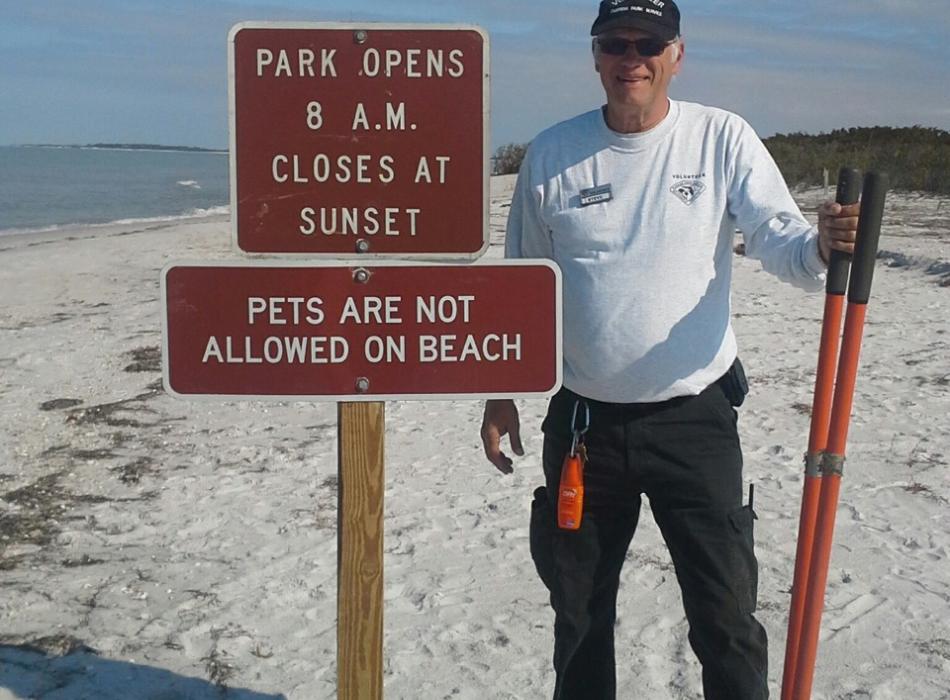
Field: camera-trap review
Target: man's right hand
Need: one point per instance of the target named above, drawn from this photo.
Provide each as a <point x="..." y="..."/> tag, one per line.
<point x="501" y="418"/>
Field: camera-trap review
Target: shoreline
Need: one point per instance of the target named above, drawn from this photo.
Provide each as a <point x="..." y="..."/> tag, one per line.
<point x="63" y="232"/>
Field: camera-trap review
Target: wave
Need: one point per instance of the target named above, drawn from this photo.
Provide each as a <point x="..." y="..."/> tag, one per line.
<point x="192" y="214"/>
<point x="193" y="184"/>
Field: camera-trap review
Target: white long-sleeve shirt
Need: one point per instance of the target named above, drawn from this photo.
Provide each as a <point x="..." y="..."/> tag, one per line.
<point x="642" y="228"/>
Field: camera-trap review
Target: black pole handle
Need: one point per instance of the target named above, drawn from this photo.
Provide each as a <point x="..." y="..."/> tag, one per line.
<point x="869" y="234"/>
<point x="849" y="189"/>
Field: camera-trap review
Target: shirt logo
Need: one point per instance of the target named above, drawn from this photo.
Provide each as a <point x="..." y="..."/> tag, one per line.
<point x="595" y="195"/>
<point x="688" y="191"/>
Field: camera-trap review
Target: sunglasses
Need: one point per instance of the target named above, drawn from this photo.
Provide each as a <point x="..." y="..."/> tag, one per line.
<point x="646" y="47"/>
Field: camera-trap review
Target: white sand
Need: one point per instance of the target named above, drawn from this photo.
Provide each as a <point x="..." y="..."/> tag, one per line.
<point x="164" y="549"/>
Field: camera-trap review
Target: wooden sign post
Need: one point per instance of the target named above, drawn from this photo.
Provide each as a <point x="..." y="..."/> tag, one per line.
<point x="361" y="431"/>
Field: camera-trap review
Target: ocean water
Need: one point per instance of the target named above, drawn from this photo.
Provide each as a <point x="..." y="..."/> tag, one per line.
<point x="44" y="188"/>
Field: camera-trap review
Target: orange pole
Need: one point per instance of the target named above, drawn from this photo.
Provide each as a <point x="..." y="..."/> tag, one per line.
<point x="849" y="182"/>
<point x="832" y="463"/>
<point x="818" y="437"/>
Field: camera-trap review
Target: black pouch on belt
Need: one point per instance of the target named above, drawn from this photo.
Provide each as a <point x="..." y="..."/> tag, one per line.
<point x="734" y="384"/>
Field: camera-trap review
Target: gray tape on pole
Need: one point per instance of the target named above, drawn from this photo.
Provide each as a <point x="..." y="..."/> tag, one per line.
<point x="813" y="463"/>
<point x="832" y="464"/>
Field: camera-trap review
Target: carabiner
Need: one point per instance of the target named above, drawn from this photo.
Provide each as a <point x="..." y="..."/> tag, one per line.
<point x="574" y="428"/>
<point x="577" y="432"/>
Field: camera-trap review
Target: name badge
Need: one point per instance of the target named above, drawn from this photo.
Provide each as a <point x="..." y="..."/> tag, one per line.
<point x="595" y="195"/>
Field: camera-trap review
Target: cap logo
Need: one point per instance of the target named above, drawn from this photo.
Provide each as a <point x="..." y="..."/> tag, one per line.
<point x="638" y="8"/>
<point x="656" y="3"/>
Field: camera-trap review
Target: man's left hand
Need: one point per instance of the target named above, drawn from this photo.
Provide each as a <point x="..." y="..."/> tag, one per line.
<point x="837" y="228"/>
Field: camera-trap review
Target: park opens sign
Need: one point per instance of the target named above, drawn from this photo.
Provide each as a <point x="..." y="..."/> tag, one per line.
<point x="365" y="140"/>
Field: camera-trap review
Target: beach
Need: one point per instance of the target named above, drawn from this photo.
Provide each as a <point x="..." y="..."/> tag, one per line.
<point x="159" y="548"/>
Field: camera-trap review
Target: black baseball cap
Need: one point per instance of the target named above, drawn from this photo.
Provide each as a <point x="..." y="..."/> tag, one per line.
<point x="659" y="17"/>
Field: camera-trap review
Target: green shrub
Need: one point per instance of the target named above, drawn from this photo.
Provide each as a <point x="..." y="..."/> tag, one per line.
<point x="507" y="158"/>
<point x="915" y="158"/>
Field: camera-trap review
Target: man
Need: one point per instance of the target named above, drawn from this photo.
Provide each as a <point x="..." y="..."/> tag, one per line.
<point x="638" y="202"/>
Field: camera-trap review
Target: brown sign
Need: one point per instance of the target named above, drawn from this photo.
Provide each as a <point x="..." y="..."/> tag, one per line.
<point x="389" y="331"/>
<point x="365" y="139"/>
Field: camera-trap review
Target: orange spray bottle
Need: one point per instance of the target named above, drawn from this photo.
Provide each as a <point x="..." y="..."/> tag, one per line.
<point x="570" y="496"/>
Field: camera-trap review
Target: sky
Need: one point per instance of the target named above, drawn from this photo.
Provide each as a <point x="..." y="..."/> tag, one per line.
<point x="144" y="71"/>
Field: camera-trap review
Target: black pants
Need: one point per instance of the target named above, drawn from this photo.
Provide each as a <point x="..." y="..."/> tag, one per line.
<point x="684" y="455"/>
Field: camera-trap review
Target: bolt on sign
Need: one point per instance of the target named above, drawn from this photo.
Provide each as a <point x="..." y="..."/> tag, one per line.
<point x="368" y="139"/>
<point x="395" y="330"/>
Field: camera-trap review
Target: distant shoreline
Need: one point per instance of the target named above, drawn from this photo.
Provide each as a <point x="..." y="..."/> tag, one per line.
<point x="124" y="147"/>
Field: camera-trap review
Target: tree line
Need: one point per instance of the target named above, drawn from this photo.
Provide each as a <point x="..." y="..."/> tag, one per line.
<point x="915" y="158"/>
